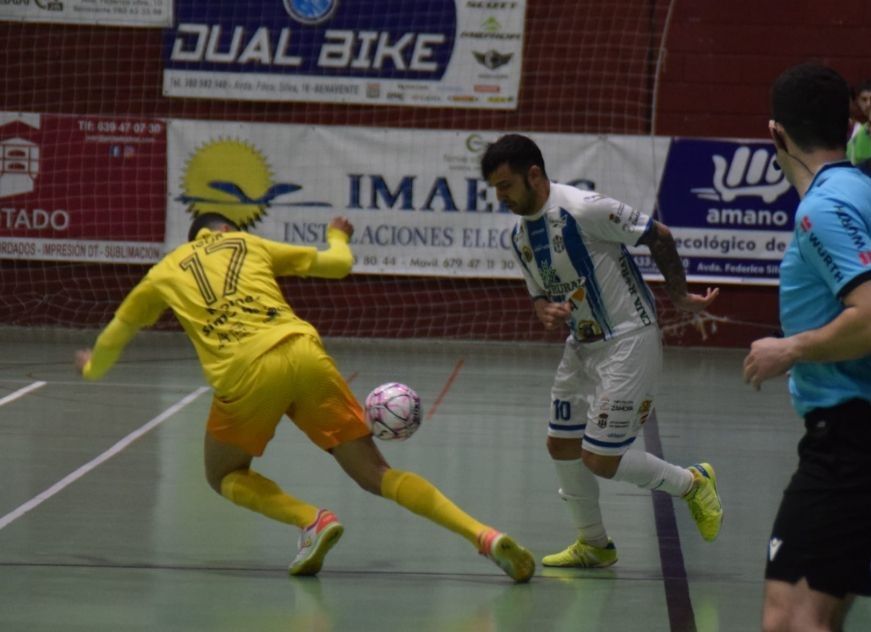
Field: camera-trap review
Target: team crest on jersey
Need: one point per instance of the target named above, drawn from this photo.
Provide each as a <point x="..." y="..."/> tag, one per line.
<point x="557" y="223"/>
<point x="558" y="244"/>
<point x="526" y="251"/>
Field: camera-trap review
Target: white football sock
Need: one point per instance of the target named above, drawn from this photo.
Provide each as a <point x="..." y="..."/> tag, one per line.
<point x="650" y="472"/>
<point x="580" y="490"/>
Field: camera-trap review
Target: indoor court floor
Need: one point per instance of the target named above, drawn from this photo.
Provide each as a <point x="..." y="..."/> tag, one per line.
<point x="107" y="523"/>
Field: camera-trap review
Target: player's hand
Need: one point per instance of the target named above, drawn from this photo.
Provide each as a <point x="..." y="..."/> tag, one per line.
<point x="552" y="315"/>
<point x="768" y="357"/>
<point x="696" y="302"/>
<point x="343" y="225"/>
<point x="83" y="356"/>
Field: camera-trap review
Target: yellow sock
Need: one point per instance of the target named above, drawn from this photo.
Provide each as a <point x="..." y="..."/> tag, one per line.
<point x="249" y="489"/>
<point x="417" y="494"/>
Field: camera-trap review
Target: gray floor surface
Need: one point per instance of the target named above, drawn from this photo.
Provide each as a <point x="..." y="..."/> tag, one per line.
<point x="106" y="521"/>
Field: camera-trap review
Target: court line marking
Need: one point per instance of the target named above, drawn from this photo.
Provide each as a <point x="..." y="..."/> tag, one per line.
<point x="445" y="388"/>
<point x="681" y="617"/>
<point x="21" y="392"/>
<point x="72" y="477"/>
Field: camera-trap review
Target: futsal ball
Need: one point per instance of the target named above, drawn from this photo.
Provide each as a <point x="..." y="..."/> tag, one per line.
<point x="393" y="411"/>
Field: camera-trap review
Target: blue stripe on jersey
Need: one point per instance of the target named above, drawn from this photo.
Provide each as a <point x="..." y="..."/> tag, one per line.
<point x="582" y="262"/>
<point x="536" y="231"/>
<point x="606" y="444"/>
<point x="559" y="427"/>
<point x="639" y="280"/>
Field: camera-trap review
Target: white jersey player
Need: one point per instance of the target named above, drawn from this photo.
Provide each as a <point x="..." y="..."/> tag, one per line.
<point x="574" y="250"/>
<point x="571" y="245"/>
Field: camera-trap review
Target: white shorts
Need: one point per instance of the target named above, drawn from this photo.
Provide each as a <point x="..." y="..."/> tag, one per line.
<point x="603" y="391"/>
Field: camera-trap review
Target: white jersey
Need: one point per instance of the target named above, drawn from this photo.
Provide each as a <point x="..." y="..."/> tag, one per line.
<point x="574" y="250"/>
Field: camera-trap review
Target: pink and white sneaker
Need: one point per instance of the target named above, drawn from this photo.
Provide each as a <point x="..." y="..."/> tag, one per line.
<point x="315" y="542"/>
<point x="512" y="558"/>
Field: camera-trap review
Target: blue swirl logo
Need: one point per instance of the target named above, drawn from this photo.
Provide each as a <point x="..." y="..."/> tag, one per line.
<point x="311" y="11"/>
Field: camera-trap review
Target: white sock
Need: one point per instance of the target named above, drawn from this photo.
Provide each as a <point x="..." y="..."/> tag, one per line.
<point x="580" y="490"/>
<point x="649" y="472"/>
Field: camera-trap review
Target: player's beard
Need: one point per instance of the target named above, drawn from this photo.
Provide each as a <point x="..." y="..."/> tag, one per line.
<point x="526" y="205"/>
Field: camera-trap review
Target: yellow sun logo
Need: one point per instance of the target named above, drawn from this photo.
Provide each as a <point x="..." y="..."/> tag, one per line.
<point x="230" y="177"/>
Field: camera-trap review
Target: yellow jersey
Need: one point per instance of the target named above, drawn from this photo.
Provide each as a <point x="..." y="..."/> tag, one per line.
<point x="222" y="288"/>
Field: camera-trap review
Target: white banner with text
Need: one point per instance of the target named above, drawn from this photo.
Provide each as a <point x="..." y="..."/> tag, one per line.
<point x="415" y="197"/>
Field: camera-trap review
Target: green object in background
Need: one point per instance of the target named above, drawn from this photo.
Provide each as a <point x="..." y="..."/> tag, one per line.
<point x="859" y="146"/>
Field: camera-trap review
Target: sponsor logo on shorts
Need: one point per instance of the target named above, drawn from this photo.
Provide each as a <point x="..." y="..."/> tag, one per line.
<point x="773" y="548"/>
<point x="644" y="410"/>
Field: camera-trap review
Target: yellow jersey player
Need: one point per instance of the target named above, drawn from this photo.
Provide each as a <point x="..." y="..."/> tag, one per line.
<point x="263" y="361"/>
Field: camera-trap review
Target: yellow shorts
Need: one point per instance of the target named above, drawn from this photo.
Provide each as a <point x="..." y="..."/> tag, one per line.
<point x="296" y="378"/>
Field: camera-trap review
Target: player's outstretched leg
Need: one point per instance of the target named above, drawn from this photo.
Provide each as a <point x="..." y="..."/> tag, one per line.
<point x="417" y="494"/>
<point x="315" y="542"/>
<point x="704" y="501"/>
<point x="362" y="460"/>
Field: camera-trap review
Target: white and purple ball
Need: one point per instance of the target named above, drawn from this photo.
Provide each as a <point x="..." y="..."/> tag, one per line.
<point x="393" y="411"/>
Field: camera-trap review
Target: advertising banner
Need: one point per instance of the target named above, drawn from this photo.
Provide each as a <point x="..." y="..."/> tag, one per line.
<point x="76" y="188"/>
<point x="416" y="197"/>
<point x="98" y="189"/>
<point x="153" y="13"/>
<point x="730" y="209"/>
<point x="436" y="53"/>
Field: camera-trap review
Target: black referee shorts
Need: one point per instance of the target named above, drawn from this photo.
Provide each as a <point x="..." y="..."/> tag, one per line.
<point x="822" y="531"/>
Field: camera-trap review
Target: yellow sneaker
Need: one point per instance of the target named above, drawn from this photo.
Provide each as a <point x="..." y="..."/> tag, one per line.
<point x="704" y="501"/>
<point x="583" y="555"/>
<point x="512" y="558"/>
<point x="315" y="542"/>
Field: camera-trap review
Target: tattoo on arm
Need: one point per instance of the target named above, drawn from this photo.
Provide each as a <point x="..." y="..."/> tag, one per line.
<point x="665" y="256"/>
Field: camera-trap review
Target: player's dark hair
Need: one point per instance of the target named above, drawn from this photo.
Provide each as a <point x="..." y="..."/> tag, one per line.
<point x="209" y="220"/>
<point x="812" y="102"/>
<point x="864" y="86"/>
<point x="517" y="150"/>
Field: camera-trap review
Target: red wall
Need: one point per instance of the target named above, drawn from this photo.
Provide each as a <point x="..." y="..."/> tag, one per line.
<point x="588" y="67"/>
<point x="722" y="57"/>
